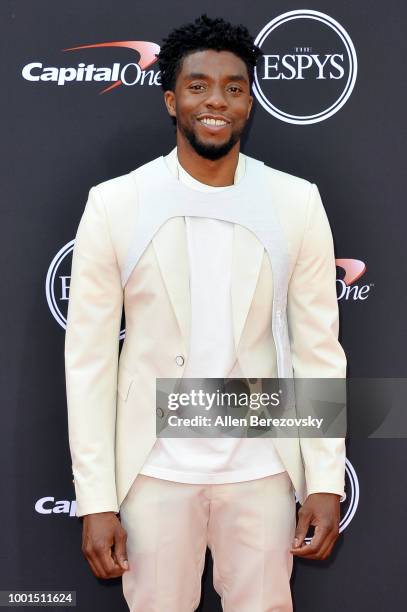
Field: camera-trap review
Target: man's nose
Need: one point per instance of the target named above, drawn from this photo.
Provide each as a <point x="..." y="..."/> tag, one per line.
<point x="216" y="98"/>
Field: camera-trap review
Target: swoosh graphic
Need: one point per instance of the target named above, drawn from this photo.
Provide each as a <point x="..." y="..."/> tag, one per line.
<point x="354" y="269"/>
<point x="147" y="51"/>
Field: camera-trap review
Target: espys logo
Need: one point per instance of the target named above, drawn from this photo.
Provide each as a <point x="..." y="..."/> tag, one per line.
<point x="350" y="501"/>
<point x="308" y="69"/>
<point x="347" y="288"/>
<point x="57" y="284"/>
<point x="133" y="73"/>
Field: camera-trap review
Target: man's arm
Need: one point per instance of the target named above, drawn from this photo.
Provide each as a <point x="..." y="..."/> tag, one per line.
<point x="313" y="321"/>
<point x="91" y="360"/>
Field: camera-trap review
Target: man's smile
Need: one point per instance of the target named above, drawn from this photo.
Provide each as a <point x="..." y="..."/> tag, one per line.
<point x="213" y="123"/>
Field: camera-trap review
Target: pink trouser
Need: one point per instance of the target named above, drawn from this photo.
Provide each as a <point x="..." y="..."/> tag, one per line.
<point x="248" y="526"/>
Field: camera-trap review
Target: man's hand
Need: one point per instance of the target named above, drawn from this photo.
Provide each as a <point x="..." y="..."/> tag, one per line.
<point x="104" y="544"/>
<point x="322" y="511"/>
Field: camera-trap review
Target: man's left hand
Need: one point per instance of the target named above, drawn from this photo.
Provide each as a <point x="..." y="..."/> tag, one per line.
<point x="320" y="510"/>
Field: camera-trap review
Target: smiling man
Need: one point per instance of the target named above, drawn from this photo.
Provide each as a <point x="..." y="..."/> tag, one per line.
<point x="225" y="268"/>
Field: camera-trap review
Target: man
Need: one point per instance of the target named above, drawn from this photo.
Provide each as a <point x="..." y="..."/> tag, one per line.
<point x="225" y="268"/>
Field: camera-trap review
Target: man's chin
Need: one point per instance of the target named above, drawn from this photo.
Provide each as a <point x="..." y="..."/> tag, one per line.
<point x="210" y="150"/>
<point x="213" y="152"/>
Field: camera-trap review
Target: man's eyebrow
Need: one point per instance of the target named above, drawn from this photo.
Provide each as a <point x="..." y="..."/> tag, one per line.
<point x="196" y="75"/>
<point x="202" y="75"/>
<point x="237" y="77"/>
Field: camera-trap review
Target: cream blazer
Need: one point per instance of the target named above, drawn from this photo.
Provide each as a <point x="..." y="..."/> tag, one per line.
<point x="111" y="401"/>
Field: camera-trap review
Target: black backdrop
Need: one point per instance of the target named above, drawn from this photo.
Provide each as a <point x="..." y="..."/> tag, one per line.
<point x="59" y="140"/>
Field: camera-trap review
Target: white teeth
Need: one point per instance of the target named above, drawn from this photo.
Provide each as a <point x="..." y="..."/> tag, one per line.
<point x="209" y="121"/>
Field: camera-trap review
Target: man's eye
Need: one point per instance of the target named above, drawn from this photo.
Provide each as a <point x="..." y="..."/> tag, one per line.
<point x="197" y="87"/>
<point x="234" y="89"/>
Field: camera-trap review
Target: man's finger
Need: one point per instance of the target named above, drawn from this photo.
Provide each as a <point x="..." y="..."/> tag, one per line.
<point x="304" y="519"/>
<point x="104" y="557"/>
<point x="89" y="554"/>
<point x="94" y="563"/>
<point x="119" y="552"/>
<point x="318" y="541"/>
<point x="95" y="568"/>
<point x="327" y="547"/>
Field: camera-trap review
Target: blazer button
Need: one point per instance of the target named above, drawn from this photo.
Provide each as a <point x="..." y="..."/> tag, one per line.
<point x="160" y="412"/>
<point x="179" y="360"/>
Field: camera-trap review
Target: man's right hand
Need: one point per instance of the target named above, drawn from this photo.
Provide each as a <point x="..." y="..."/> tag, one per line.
<point x="104" y="544"/>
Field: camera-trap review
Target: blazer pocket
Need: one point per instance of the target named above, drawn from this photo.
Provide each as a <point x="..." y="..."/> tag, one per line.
<point x="124" y="382"/>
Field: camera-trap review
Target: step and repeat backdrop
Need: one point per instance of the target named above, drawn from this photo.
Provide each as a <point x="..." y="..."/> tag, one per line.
<point x="82" y="103"/>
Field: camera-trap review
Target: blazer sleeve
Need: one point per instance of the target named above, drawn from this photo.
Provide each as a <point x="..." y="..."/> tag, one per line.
<point x="91" y="360"/>
<point x="313" y="321"/>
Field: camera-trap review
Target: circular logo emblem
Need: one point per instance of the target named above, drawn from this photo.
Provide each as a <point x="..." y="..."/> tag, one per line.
<point x="57" y="285"/>
<point x="350" y="501"/>
<point x="308" y="68"/>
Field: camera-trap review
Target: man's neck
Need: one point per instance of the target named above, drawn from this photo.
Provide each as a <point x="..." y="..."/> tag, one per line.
<point x="217" y="173"/>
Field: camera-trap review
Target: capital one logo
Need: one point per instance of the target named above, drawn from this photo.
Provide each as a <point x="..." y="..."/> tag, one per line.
<point x="57" y="285"/>
<point x="347" y="288"/>
<point x="117" y="74"/>
<point x="48" y="505"/>
<point x="308" y="69"/>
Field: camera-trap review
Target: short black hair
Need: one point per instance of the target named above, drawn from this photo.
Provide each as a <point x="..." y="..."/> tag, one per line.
<point x="202" y="34"/>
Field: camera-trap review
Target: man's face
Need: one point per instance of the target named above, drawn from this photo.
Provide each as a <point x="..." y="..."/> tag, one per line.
<point x="211" y="101"/>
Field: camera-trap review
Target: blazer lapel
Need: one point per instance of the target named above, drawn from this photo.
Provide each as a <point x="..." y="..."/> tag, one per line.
<point x="171" y="249"/>
<point x="248" y="254"/>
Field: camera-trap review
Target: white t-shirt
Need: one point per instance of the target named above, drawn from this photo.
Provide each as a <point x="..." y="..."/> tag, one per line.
<point x="212" y="355"/>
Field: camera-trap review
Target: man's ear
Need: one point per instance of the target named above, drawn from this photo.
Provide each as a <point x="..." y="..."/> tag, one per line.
<point x="169" y="99"/>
